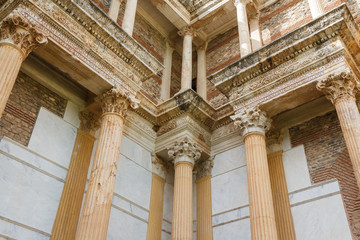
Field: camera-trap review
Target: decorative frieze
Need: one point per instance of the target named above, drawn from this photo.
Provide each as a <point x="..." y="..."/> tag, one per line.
<point x="19" y="32"/>
<point x="252" y="120"/>
<point x="338" y="86"/>
<point x="184" y="151"/>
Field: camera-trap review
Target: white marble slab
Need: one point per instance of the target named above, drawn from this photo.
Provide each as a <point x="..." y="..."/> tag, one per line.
<point x="166" y="226"/>
<point x="168" y="201"/>
<point x="165" y="236"/>
<point x="323" y="219"/>
<point x="14" y="231"/>
<point x="71" y="114"/>
<point x="136" y="153"/>
<point x="229" y="190"/>
<point x="53" y="138"/>
<point x="234" y="230"/>
<point x="130" y="208"/>
<point x="133" y="182"/>
<point x="28" y="196"/>
<point x="296" y="170"/>
<point x="230" y="216"/>
<point x="229" y="160"/>
<point x="125" y="227"/>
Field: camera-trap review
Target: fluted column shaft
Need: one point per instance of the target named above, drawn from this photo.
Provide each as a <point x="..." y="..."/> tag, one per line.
<point x="10" y="63"/>
<point x="166" y="77"/>
<point x="201" y="72"/>
<point x="68" y="213"/>
<point x="255" y="35"/>
<point x="186" y="67"/>
<point x="243" y="27"/>
<point x="204" y="229"/>
<point x="182" y="219"/>
<point x="95" y="214"/>
<point x="129" y="16"/>
<point x="349" y="119"/>
<point x="156" y="208"/>
<point x="262" y="216"/>
<point x="254" y="123"/>
<point x="316" y="8"/>
<point x="184" y="154"/>
<point x="18" y="38"/>
<point x="283" y="216"/>
<point x="114" y="9"/>
<point x="341" y="90"/>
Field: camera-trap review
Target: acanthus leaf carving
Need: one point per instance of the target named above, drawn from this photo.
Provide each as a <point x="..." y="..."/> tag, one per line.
<point x="184" y="151"/>
<point x="204" y="168"/>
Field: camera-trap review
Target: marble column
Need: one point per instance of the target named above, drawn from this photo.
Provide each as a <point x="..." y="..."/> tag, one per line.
<point x="95" y="214"/>
<point x="243" y="26"/>
<point x="201" y="71"/>
<point x="341" y="90"/>
<point x="68" y="213"/>
<point x="129" y="16"/>
<point x="316" y="8"/>
<point x="283" y="216"/>
<point x="254" y="124"/>
<point x="166" y="77"/>
<point x="255" y="34"/>
<point x="186" y="67"/>
<point x="18" y="37"/>
<point x="184" y="154"/>
<point x="159" y="169"/>
<point x="204" y="229"/>
<point x="114" y="9"/>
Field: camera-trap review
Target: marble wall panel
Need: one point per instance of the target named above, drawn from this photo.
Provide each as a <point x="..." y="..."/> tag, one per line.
<point x="53" y="138"/>
<point x="10" y="230"/>
<point x="229" y="160"/>
<point x="296" y="169"/>
<point x="229" y="190"/>
<point x="135" y="152"/>
<point x="123" y="226"/>
<point x="71" y="114"/>
<point x="165" y="236"/>
<point x="234" y="230"/>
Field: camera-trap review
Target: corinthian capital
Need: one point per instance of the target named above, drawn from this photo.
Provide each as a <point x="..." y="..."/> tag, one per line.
<point x="18" y="32"/>
<point x="252" y="120"/>
<point x="117" y="100"/>
<point x="184" y="151"/>
<point x="243" y="2"/>
<point x="188" y="30"/>
<point x="342" y="85"/>
<point x="204" y="168"/>
<point x="89" y="122"/>
<point x="159" y="167"/>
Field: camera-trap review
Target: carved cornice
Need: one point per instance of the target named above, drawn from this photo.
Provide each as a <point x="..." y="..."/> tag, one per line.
<point x="336" y="87"/>
<point x="184" y="151"/>
<point x="204" y="168"/>
<point x="117" y="101"/>
<point x="252" y="120"/>
<point x="159" y="166"/>
<point x="20" y="33"/>
<point x="89" y="122"/>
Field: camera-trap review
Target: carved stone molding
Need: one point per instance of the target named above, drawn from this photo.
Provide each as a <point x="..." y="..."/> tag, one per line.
<point x="188" y="30"/>
<point x="342" y="85"/>
<point x="252" y="120"/>
<point x="117" y="100"/>
<point x="184" y="151"/>
<point x="159" y="167"/>
<point x="17" y="31"/>
<point x="89" y="122"/>
<point x="204" y="168"/>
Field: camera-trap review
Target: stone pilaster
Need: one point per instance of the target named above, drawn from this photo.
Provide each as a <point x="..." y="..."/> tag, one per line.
<point x="184" y="154"/>
<point x="114" y="9"/>
<point x="204" y="229"/>
<point x="68" y="213"/>
<point x="201" y="72"/>
<point x="18" y="37"/>
<point x="186" y="67"/>
<point x="166" y="77"/>
<point x="129" y="16"/>
<point x="254" y="124"/>
<point x="341" y="89"/>
<point x="316" y="8"/>
<point x="159" y="169"/>
<point x="95" y="215"/>
<point x="243" y="26"/>
<point x="255" y="33"/>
